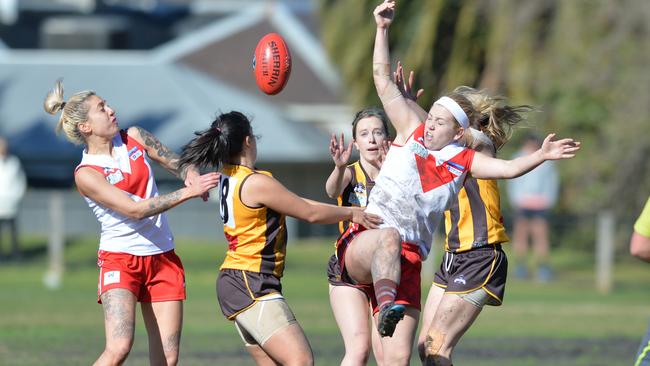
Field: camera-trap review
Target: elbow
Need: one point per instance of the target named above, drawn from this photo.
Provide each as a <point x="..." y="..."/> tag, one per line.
<point x="331" y="194"/>
<point x="135" y="213"/>
<point x="640" y="247"/>
<point x="639" y="252"/>
<point x="313" y="217"/>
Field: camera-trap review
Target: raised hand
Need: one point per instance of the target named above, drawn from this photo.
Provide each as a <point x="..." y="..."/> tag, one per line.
<point x="384" y="13"/>
<point x="368" y="220"/>
<point x="199" y="185"/>
<point x="191" y="174"/>
<point x="406" y="88"/>
<point x="340" y="153"/>
<point x="560" y="149"/>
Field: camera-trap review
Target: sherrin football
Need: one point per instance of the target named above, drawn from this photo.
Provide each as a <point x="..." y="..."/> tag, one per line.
<point x="271" y="64"/>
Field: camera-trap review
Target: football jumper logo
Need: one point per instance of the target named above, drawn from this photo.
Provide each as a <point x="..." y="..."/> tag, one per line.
<point x="135" y="153"/>
<point x="460" y="280"/>
<point x="111" y="277"/>
<point x="113" y="175"/>
<point x="358" y="196"/>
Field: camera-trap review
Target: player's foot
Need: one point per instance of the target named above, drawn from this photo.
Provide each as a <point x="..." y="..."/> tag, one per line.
<point x="389" y="316"/>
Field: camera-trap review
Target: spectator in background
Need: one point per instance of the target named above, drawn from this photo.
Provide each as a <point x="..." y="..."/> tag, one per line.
<point x="12" y="190"/>
<point x="640" y="248"/>
<point x="532" y="196"/>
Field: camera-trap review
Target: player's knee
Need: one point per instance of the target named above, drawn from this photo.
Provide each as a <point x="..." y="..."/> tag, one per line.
<point x="358" y="354"/>
<point x="398" y="356"/>
<point x="306" y="359"/>
<point x="391" y="240"/>
<point x="171" y="358"/>
<point x="117" y="352"/>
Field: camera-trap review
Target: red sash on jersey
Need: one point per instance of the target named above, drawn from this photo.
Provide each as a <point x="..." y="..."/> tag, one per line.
<point x="432" y="175"/>
<point x="137" y="180"/>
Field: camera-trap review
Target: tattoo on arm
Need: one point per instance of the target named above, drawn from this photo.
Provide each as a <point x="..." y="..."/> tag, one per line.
<point x="162" y="203"/>
<point x="169" y="158"/>
<point x="174" y="168"/>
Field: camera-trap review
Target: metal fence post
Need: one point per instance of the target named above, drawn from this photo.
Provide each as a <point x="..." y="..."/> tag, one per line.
<point x="604" y="251"/>
<point x="55" y="243"/>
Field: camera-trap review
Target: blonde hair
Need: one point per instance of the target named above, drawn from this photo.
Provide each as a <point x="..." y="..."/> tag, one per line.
<point x="491" y="114"/>
<point x="74" y="111"/>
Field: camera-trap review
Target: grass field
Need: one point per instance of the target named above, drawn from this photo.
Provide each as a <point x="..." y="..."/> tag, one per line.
<point x="563" y="323"/>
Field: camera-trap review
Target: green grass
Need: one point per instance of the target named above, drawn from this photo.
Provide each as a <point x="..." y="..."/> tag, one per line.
<point x="565" y="322"/>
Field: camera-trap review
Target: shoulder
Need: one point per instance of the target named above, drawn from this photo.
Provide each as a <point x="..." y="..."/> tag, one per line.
<point x="353" y="168"/>
<point x="87" y="176"/>
<point x="137" y="133"/>
<point x="259" y="180"/>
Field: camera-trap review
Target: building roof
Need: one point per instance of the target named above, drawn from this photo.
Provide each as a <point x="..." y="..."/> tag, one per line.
<point x="177" y="89"/>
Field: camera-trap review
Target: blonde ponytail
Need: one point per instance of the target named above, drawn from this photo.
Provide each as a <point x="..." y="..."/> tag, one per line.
<point x="74" y="111"/>
<point x="495" y="118"/>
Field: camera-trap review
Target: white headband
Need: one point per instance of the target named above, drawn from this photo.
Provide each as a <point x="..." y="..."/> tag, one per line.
<point x="455" y="109"/>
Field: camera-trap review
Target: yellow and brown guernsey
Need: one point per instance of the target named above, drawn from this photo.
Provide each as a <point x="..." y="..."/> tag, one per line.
<point x="474" y="219"/>
<point x="356" y="192"/>
<point x="257" y="236"/>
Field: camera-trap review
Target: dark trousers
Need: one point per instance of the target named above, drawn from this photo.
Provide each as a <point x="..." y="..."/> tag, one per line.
<point x="13" y="235"/>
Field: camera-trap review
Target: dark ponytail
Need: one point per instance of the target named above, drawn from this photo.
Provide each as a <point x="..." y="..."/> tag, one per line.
<point x="219" y="144"/>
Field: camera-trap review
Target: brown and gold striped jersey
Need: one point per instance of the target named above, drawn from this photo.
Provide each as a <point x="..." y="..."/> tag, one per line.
<point x="474" y="219"/>
<point x="356" y="192"/>
<point x="257" y="236"/>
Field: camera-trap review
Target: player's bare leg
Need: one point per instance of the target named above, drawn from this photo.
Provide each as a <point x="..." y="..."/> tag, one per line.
<point x="451" y="320"/>
<point x="289" y="347"/>
<point x="164" y="321"/>
<point x="377" y="350"/>
<point x="430" y="307"/>
<point x="397" y="349"/>
<point x="260" y="357"/>
<point x="374" y="256"/>
<point x="119" y="324"/>
<point x="352" y="314"/>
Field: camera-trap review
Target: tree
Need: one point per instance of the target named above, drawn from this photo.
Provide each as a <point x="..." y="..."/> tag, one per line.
<point x="583" y="63"/>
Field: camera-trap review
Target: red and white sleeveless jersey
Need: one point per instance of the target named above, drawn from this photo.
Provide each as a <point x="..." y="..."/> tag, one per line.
<point x="129" y="170"/>
<point x="415" y="186"/>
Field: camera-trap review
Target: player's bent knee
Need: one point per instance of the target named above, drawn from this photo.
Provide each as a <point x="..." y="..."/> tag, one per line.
<point x="397" y="357"/>
<point x="302" y="360"/>
<point x="391" y="239"/>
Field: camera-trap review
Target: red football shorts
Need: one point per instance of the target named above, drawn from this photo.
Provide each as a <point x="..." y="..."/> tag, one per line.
<point x="409" y="289"/>
<point x="151" y="278"/>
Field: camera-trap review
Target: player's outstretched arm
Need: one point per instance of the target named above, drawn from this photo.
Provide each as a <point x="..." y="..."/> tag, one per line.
<point x="160" y="153"/>
<point x="93" y="185"/>
<point x="485" y="167"/>
<point x="400" y="114"/>
<point x="261" y="190"/>
<point x="340" y="176"/>
<point x="165" y="157"/>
